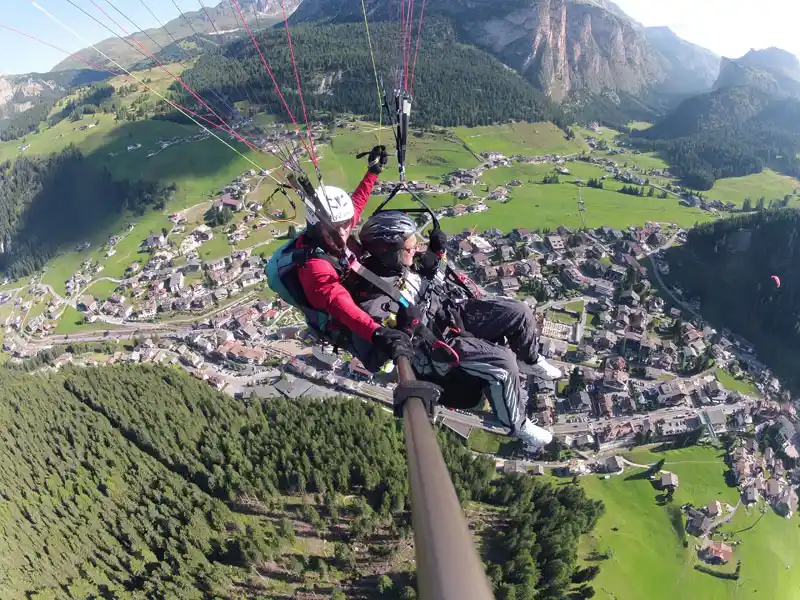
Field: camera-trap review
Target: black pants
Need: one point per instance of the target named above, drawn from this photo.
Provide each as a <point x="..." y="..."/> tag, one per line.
<point x="487" y="367"/>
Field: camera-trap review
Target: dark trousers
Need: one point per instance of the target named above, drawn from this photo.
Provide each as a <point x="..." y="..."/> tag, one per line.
<point x="501" y="331"/>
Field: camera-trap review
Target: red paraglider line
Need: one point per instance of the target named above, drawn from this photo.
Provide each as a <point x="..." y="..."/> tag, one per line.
<point x="275" y="83"/>
<point x="160" y="64"/>
<point x="227" y="128"/>
<point x="88" y="62"/>
<point x="297" y="78"/>
<point x="416" y="51"/>
<point x="403" y="40"/>
<point x="409" y="40"/>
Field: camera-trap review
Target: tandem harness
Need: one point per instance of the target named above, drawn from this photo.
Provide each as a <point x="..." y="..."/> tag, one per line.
<point x="282" y="278"/>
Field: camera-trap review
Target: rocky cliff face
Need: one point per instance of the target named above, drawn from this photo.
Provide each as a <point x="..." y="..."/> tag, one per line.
<point x="563" y="47"/>
<point x="19" y="93"/>
<point x="772" y="71"/>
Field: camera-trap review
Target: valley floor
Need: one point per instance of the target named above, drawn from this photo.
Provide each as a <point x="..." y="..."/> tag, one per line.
<point x="648" y="557"/>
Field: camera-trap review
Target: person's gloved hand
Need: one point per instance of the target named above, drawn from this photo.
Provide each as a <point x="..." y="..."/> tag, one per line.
<point x="409" y="318"/>
<point x="393" y="343"/>
<point x="378" y="158"/>
<point x="437" y="241"/>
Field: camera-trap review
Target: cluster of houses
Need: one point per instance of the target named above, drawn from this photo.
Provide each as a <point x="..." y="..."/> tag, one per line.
<point x="82" y="277"/>
<point x="160" y="287"/>
<point x="629" y="352"/>
<point x="764" y="475"/>
<point x="15" y="322"/>
<point x="386" y="187"/>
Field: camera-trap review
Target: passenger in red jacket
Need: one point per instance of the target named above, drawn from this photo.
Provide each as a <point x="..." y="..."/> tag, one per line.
<point x="320" y="277"/>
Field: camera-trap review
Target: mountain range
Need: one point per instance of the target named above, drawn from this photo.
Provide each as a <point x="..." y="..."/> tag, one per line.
<point x="562" y="47"/>
<point x="772" y="71"/>
<point x="212" y="22"/>
<point x="577" y="52"/>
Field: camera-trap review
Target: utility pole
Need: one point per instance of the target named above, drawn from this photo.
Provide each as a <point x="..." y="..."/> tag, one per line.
<point x="581" y="206"/>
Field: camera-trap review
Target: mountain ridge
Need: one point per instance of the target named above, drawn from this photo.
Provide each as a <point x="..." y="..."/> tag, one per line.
<point x="223" y="18"/>
<point x="562" y="47"/>
<point x="771" y="70"/>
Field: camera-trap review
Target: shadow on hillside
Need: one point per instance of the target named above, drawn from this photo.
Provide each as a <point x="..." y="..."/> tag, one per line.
<point x="179" y="161"/>
<point x="80" y="195"/>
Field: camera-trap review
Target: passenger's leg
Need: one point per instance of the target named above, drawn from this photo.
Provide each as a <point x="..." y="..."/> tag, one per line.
<point x="461" y="390"/>
<point x="494" y="319"/>
<point x="496" y="367"/>
<point x="497" y="319"/>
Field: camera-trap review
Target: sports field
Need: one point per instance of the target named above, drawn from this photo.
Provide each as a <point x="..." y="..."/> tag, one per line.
<point x="648" y="559"/>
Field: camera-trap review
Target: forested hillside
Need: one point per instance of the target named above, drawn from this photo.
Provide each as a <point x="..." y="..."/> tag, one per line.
<point x="728" y="133"/>
<point x="728" y="265"/>
<point x="137" y="482"/>
<point x="454" y="84"/>
<point x="85" y="514"/>
<point x="61" y="199"/>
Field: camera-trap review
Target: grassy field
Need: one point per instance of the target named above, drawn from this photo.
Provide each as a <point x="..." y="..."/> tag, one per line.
<point x="489" y="443"/>
<point x="560" y="317"/>
<point x="645" y="160"/>
<point x="101" y="289"/>
<point x="72" y="322"/>
<point x="603" y="133"/>
<point x="519" y="138"/>
<point x="429" y="157"/>
<point x="639" y="125"/>
<point x="201" y="169"/>
<point x="538" y="206"/>
<point x="768" y="183"/>
<point x="215" y="248"/>
<point x="649" y="560"/>
<point x="729" y="382"/>
<point x="577" y="306"/>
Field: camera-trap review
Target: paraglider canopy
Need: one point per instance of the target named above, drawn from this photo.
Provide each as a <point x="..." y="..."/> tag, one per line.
<point x="777" y="280"/>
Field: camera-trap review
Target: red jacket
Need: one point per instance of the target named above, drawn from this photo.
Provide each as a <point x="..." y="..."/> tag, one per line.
<point x="321" y="284"/>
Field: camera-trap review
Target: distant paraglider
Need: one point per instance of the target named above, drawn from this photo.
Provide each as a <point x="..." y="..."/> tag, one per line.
<point x="777" y="281"/>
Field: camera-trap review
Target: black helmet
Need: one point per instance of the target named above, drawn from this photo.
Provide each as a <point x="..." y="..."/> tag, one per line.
<point x="384" y="235"/>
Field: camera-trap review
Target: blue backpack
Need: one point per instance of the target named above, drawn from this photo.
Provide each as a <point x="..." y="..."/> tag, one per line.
<point x="282" y="278"/>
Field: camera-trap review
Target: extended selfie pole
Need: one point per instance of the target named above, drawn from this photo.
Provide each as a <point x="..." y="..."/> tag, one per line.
<point x="448" y="566"/>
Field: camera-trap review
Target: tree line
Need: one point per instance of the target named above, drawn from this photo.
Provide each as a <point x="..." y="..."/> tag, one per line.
<point x="536" y="554"/>
<point x="62" y="199"/>
<point x="728" y="133"/>
<point x="138" y="481"/>
<point x="21" y="124"/>
<point x="631" y="190"/>
<point x="87" y="515"/>
<point x="454" y="85"/>
<point x="728" y="265"/>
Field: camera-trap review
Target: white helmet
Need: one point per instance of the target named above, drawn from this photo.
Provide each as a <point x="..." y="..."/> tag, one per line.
<point x="336" y="203"/>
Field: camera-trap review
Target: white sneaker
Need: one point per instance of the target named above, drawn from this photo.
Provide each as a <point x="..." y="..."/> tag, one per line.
<point x="541" y="369"/>
<point x="533" y="435"/>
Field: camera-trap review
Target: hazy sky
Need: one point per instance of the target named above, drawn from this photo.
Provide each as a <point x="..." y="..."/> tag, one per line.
<point x="728" y="27"/>
<point x="20" y="55"/>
